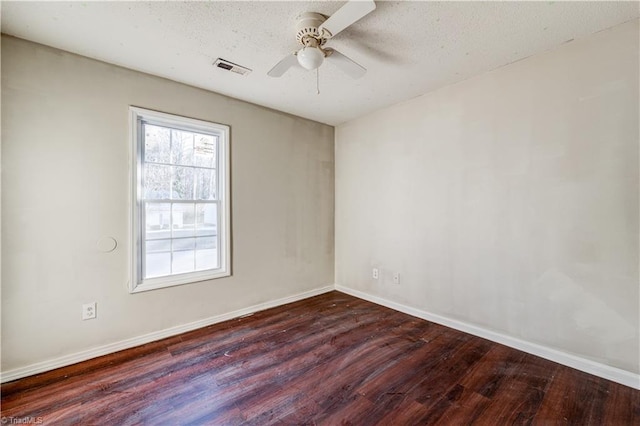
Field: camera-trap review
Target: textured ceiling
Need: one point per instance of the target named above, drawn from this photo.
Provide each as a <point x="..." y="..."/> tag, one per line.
<point x="409" y="48"/>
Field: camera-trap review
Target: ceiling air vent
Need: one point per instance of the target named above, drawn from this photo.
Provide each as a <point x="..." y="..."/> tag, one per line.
<point x="230" y="66"/>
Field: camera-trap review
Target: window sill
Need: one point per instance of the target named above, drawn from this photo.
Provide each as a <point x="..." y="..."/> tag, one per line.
<point x="175" y="280"/>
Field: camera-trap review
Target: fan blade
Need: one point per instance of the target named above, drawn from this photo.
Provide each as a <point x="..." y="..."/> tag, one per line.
<point x="346" y="15"/>
<point x="345" y="64"/>
<point x="282" y="66"/>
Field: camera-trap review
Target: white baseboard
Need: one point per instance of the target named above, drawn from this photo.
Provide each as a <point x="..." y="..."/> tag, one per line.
<point x="608" y="372"/>
<point x="617" y="375"/>
<point x="40" y="367"/>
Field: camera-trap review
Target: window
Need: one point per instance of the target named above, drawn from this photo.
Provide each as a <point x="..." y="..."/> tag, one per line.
<point x="180" y="215"/>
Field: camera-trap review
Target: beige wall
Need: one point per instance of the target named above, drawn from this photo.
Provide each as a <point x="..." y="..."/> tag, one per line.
<point x="508" y="201"/>
<point x="65" y="185"/>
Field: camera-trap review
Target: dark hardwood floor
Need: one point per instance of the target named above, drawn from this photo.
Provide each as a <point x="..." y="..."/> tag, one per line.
<point x="332" y="360"/>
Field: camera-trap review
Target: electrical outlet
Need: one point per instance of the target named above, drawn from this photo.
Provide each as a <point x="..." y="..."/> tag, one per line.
<point x="396" y="278"/>
<point x="89" y="311"/>
<point x="375" y="273"/>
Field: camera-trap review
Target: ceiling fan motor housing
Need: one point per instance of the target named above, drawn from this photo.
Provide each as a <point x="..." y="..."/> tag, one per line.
<point x="307" y="26"/>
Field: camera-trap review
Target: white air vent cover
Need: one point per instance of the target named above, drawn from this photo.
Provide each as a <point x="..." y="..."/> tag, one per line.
<point x="230" y="66"/>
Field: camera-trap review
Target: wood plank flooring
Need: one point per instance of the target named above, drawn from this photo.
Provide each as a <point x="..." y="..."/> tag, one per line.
<point x="328" y="360"/>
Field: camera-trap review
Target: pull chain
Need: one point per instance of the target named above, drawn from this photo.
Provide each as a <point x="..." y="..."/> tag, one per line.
<point x="318" y="80"/>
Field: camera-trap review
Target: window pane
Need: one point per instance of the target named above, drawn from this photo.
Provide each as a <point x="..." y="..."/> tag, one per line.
<point x="206" y="253"/>
<point x="157" y="220"/>
<point x="183" y="256"/>
<point x="158" y="258"/>
<point x="206" y="243"/>
<point x="205" y="150"/>
<point x="182" y="183"/>
<point x="183" y="220"/>
<point x="158" y="246"/>
<point x="157" y="144"/>
<point x="206" y="219"/>
<point x="182" y="147"/>
<point x="157" y="181"/>
<point x="205" y="184"/>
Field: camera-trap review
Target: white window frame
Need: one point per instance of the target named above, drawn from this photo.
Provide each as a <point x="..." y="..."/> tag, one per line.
<point x="137" y="116"/>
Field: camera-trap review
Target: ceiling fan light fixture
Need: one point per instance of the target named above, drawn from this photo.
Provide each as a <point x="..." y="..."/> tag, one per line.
<point x="310" y="58"/>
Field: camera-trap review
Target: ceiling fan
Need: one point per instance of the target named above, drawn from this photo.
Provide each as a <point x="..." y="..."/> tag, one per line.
<point x="312" y="32"/>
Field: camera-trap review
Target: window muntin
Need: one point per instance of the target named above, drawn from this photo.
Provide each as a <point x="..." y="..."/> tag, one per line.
<point x="180" y="214"/>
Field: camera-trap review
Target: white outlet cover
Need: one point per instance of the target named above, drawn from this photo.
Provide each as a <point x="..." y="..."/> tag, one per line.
<point x="89" y="311"/>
